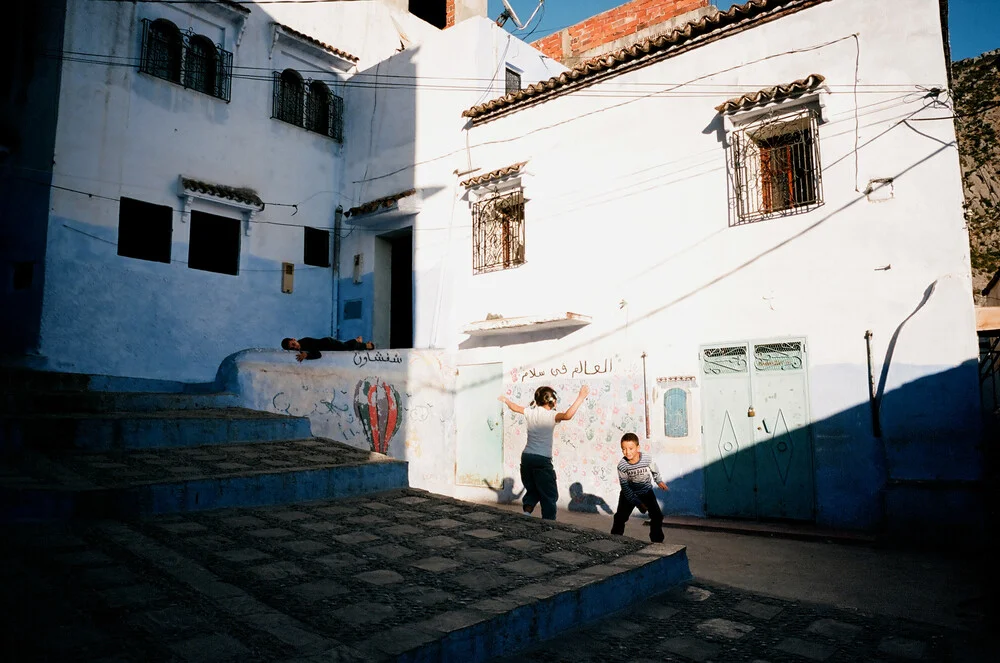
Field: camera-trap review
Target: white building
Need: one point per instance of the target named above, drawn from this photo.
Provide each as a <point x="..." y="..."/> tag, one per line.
<point x="736" y="214"/>
<point x="746" y="236"/>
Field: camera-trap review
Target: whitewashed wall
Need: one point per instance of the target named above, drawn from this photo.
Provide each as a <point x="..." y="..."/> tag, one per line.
<point x="627" y="221"/>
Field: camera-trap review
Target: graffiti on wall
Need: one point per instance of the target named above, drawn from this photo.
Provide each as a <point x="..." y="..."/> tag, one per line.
<point x="379" y="409"/>
<point x="390" y="402"/>
<point x="587" y="448"/>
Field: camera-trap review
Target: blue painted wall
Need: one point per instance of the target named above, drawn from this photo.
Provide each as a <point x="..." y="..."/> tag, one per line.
<point x="365" y="292"/>
<point x="105" y="313"/>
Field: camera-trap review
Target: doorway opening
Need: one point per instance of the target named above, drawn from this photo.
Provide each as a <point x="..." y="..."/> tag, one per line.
<point x="393" y="310"/>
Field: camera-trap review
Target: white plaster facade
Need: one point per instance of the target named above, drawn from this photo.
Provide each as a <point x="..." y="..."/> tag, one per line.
<point x="628" y="221"/>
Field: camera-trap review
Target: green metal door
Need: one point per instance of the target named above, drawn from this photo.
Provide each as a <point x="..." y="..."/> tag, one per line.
<point x="756" y="437"/>
<point x="729" y="464"/>
<point x="479" y="425"/>
<point x="783" y="446"/>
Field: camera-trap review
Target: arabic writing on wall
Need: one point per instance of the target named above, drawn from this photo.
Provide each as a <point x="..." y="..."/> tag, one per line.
<point x="580" y="369"/>
<point x="364" y="358"/>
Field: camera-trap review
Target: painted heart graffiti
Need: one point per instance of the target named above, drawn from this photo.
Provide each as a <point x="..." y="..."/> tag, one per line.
<point x="378" y="407"/>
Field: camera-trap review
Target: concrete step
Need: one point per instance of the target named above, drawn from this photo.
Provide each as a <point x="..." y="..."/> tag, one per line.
<point x="146" y="430"/>
<point x="16" y="378"/>
<point x="38" y="487"/>
<point x="55" y="402"/>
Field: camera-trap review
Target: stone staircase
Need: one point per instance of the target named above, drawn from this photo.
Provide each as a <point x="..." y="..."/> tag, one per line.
<point x="90" y="446"/>
<point x="155" y="521"/>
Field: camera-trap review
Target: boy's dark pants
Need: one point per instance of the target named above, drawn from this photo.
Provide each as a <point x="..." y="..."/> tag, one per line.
<point x="625" y="507"/>
<point x="539" y="480"/>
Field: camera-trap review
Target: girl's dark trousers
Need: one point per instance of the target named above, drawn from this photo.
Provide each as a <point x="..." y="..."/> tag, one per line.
<point x="539" y="480"/>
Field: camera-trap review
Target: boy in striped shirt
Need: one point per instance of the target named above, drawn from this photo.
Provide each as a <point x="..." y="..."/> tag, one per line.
<point x="637" y="474"/>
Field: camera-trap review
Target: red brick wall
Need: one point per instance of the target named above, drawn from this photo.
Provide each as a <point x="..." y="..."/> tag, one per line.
<point x="450" y="14"/>
<point x="614" y="24"/>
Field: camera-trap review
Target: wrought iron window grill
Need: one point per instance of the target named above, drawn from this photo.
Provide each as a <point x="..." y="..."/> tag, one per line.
<point x="512" y="82"/>
<point x="775" y="167"/>
<point x="723" y="361"/>
<point x="308" y="104"/>
<point x="186" y="58"/>
<point x="498" y="232"/>
<point x="778" y="356"/>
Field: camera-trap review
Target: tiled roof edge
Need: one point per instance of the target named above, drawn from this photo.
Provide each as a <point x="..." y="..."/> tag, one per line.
<point x="770" y="94"/>
<point x="494" y="174"/>
<point x="640" y="54"/>
<point x="379" y="203"/>
<point x="316" y="42"/>
<point x="244" y="195"/>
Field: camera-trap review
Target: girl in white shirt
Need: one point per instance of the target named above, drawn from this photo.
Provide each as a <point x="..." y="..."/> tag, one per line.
<point x="537" y="474"/>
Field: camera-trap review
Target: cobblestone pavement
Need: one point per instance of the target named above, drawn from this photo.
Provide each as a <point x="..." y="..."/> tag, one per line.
<point x="707" y="622"/>
<point x="355" y="579"/>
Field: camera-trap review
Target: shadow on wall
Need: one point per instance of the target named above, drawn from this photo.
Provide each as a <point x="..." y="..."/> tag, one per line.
<point x="584" y="503"/>
<point x="505" y="491"/>
<point x="910" y="484"/>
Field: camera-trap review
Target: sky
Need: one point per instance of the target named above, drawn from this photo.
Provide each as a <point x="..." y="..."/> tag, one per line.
<point x="973" y="23"/>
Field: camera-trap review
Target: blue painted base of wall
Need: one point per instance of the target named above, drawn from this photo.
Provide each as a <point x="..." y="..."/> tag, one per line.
<point x="39" y="505"/>
<point x="553" y="615"/>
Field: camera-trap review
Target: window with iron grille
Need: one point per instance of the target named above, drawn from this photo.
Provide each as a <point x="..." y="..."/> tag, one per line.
<point x="513" y="82"/>
<point x="311" y="106"/>
<point x="186" y="59"/>
<point x="498" y="232"/>
<point x="775" y="167"/>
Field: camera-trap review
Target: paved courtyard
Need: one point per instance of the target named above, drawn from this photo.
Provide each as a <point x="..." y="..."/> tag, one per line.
<point x="356" y="580"/>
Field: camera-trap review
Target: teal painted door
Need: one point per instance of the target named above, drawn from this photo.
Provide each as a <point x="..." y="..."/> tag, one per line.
<point x="760" y="465"/>
<point x="479" y="425"/>
<point x="730" y="471"/>
<point x="782" y="444"/>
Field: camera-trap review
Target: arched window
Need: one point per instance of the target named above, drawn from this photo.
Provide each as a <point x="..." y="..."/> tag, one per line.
<point x="162" y="50"/>
<point x="318" y="108"/>
<point x="201" y="66"/>
<point x="289" y="97"/>
<point x="675" y="417"/>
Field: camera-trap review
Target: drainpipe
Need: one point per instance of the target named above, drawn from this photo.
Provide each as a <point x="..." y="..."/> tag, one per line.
<point x="338" y="222"/>
<point x="872" y="400"/>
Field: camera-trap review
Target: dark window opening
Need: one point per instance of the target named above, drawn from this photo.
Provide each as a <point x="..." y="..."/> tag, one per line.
<point x="145" y="230"/>
<point x="23" y="276"/>
<point x="200" y="67"/>
<point x="185" y="58"/>
<point x="215" y="243"/>
<point x="434" y="12"/>
<point x="324" y="111"/>
<point x="162" y="50"/>
<point x="289" y="94"/>
<point x="513" y="82"/>
<point x="498" y="232"/>
<point x="316" y="249"/>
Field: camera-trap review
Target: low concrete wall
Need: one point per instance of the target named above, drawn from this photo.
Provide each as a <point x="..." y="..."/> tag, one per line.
<point x="397" y="402"/>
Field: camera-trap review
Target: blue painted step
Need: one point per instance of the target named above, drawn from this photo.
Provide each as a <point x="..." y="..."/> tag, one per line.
<point x="151" y="430"/>
<point x="45" y="487"/>
<point x="54" y="402"/>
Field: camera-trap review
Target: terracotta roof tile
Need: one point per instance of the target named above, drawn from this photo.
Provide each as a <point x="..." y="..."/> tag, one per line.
<point x="238" y="194"/>
<point x="640" y="54"/>
<point x="379" y="203"/>
<point x="494" y="175"/>
<point x="316" y="42"/>
<point x="775" y="93"/>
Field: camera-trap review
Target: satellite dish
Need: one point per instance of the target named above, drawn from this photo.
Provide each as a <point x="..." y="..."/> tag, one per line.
<point x="509" y="13"/>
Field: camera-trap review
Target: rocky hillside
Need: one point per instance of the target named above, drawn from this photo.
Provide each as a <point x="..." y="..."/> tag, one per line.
<point x="977" y="103"/>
